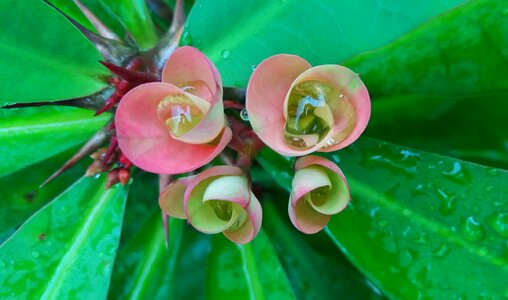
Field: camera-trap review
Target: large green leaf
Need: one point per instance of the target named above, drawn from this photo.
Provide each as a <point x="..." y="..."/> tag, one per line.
<point x="20" y="195"/>
<point x="462" y="53"/>
<point x="67" y="249"/>
<point x="422" y="225"/>
<point x="30" y="135"/>
<point x="313" y="273"/>
<point x="44" y="57"/>
<point x="250" y="271"/>
<point x="321" y="31"/>
<point x="135" y="16"/>
<point x="464" y="127"/>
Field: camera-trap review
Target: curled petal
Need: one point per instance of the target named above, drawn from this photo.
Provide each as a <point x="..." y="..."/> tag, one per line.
<point x="352" y="109"/>
<point x="171" y="198"/>
<point x="250" y="228"/>
<point x="219" y="200"/>
<point x="145" y="139"/>
<point x="319" y="191"/>
<point x="267" y="89"/>
<point x="193" y="72"/>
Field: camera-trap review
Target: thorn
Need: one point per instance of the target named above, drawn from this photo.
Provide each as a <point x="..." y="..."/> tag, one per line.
<point x="133" y="77"/>
<point x="102" y="29"/>
<point x="165" y="224"/>
<point x="112" y="51"/>
<point x="178" y="17"/>
<point x="95" y="142"/>
<point x="96" y="167"/>
<point x="125" y="175"/>
<point x="112" y="178"/>
<point x="113" y="145"/>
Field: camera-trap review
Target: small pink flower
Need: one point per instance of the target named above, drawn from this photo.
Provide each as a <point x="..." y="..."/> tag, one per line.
<point x="219" y="200"/>
<point x="176" y="125"/>
<point x="297" y="109"/>
<point x="319" y="191"/>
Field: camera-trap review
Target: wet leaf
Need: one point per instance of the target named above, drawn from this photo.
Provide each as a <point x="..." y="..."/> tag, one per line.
<point x="45" y="57"/>
<point x="67" y="249"/>
<point x="422" y="225"/>
<point x="30" y="135"/>
<point x="244" y="33"/>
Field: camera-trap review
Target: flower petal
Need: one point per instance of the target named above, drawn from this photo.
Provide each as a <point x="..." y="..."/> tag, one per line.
<point x="146" y="141"/>
<point x="339" y="195"/>
<point x="188" y="65"/>
<point x="231" y="188"/>
<point x="356" y="97"/>
<point x="306" y="180"/>
<point x="305" y="218"/>
<point x="171" y="198"/>
<point x="266" y="92"/>
<point x="250" y="228"/>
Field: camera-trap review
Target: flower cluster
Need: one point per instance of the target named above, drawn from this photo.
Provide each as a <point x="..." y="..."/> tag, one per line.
<point x="178" y="126"/>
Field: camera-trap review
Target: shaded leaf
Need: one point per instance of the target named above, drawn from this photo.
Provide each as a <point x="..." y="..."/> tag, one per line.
<point x="30" y="135"/>
<point x="66" y="249"/>
<point x="244" y="33"/>
<point x="44" y="57"/>
<point x="250" y="271"/>
<point x="21" y="195"/>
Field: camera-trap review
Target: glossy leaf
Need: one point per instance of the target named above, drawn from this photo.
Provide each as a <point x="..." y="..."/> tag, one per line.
<point x="315" y="268"/>
<point x="244" y="33"/>
<point x="44" y="57"/>
<point x="465" y="127"/>
<point x="135" y="16"/>
<point x="67" y="249"/>
<point x="466" y="57"/>
<point x="21" y="195"/>
<point x="250" y="271"/>
<point x="72" y="10"/>
<point x="30" y="135"/>
<point x="423" y="225"/>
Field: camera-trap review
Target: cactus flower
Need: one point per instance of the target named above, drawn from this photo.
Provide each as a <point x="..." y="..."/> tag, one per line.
<point x="176" y="125"/>
<point x="219" y="200"/>
<point x="319" y="190"/>
<point x="297" y="109"/>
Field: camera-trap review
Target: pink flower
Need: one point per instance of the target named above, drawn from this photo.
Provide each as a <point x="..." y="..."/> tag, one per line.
<point x="216" y="200"/>
<point x="176" y="125"/>
<point x="319" y="191"/>
<point x="297" y="109"/>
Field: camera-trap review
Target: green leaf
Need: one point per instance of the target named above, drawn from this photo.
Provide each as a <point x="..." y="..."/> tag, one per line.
<point x="465" y="127"/>
<point x="21" y="195"/>
<point x="44" y="57"/>
<point x="321" y="31"/>
<point x="30" y="135"/>
<point x="250" y="271"/>
<point x="315" y="268"/>
<point x="423" y="225"/>
<point x="461" y="53"/>
<point x="135" y="17"/>
<point x="67" y="249"/>
<point x="72" y="10"/>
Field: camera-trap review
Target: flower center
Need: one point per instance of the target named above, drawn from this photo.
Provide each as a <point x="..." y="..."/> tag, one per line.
<point x="313" y="109"/>
<point x="319" y="196"/>
<point x="223" y="209"/>
<point x="179" y="113"/>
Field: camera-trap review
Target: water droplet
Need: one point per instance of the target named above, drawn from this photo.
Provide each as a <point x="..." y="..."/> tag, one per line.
<point x="505" y="12"/>
<point x="65" y="208"/>
<point x="493" y="172"/>
<point x="458" y="174"/>
<point x="489" y="189"/>
<point x="2" y="264"/>
<point x="226" y="54"/>
<point x="449" y="202"/>
<point x="441" y="250"/>
<point x="418" y="190"/>
<point x="244" y="115"/>
<point x="253" y="67"/>
<point x="499" y="222"/>
<point x="383" y="223"/>
<point x="473" y="230"/>
<point x="180" y="113"/>
<point x="186" y="38"/>
<point x="256" y="32"/>
<point x="35" y="254"/>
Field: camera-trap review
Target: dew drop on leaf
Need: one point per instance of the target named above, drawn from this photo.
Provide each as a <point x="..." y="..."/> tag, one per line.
<point x="473" y="230"/>
<point x="226" y="54"/>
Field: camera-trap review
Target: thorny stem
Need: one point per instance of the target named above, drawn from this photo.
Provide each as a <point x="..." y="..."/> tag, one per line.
<point x="101" y="28"/>
<point x="164" y="181"/>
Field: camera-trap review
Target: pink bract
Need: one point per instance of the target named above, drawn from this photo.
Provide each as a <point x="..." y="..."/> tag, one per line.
<point x="145" y="139"/>
<point x="312" y="173"/>
<point x="223" y="186"/>
<point x="269" y="88"/>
